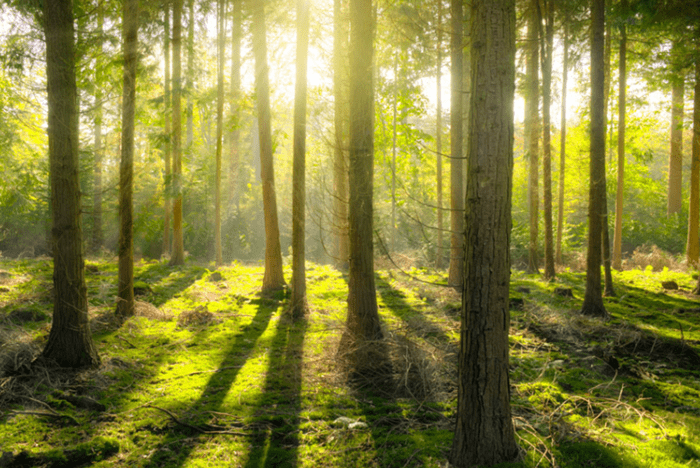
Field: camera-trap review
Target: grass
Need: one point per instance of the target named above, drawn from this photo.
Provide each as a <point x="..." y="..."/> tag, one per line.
<point x="210" y="373"/>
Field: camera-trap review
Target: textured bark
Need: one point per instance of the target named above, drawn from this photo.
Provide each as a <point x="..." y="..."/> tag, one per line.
<point x="693" y="245"/>
<point x="97" y="238"/>
<point x="69" y="343"/>
<point x="456" y="270"/>
<point x="340" y="156"/>
<point x="531" y="132"/>
<point x="562" y="146"/>
<point x="620" y="195"/>
<point x="361" y="346"/>
<point x="125" y="290"/>
<point x="221" y="34"/>
<point x="167" y="105"/>
<point x="593" y="298"/>
<point x="438" y="141"/>
<point x="484" y="433"/>
<point x="298" y="306"/>
<point x="273" y="278"/>
<point x="675" y="162"/>
<point x="547" y="51"/>
<point x="178" y="250"/>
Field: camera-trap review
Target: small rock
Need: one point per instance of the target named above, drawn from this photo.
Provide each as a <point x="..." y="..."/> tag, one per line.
<point x="669" y="285"/>
<point x="564" y="292"/>
<point x="343" y="421"/>
<point x="357" y="425"/>
<point x="215" y="276"/>
<point x="27" y="315"/>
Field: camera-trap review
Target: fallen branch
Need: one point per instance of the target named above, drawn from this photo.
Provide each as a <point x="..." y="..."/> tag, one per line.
<point x="205" y="429"/>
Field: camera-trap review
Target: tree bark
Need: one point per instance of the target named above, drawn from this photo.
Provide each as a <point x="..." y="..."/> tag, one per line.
<point x="620" y="195"/>
<point x="340" y="157"/>
<point x="547" y="51"/>
<point x="70" y="342"/>
<point x="531" y="131"/>
<point x="693" y="245"/>
<point x="484" y="433"/>
<point x="675" y="162"/>
<point x="298" y="306"/>
<point x="97" y="234"/>
<point x="562" y="150"/>
<point x="125" y="293"/>
<point x="167" y="105"/>
<point x="438" y="140"/>
<point x="273" y="278"/>
<point x="593" y="298"/>
<point x="221" y="34"/>
<point x="456" y="270"/>
<point x="178" y="253"/>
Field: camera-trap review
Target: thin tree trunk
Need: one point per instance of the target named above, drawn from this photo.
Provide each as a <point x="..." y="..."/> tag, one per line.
<point x="340" y="158"/>
<point x="298" y="306"/>
<point x="675" y="163"/>
<point x="531" y="130"/>
<point x="273" y="278"/>
<point x="70" y="342"/>
<point x="593" y="298"/>
<point x="619" y="198"/>
<point x="236" y="35"/>
<point x="125" y="293"/>
<point x="456" y="271"/>
<point x="189" y="85"/>
<point x="547" y="51"/>
<point x="394" y="130"/>
<point x="97" y="234"/>
<point x="438" y="140"/>
<point x="562" y="151"/>
<point x="178" y="253"/>
<point x="167" y="247"/>
<point x="693" y="246"/>
<point x="484" y="434"/>
<point x="219" y="128"/>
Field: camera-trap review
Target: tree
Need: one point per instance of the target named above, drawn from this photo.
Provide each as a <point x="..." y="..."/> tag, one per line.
<point x="696" y="138"/>
<point x="438" y="138"/>
<point x="456" y="270"/>
<point x="125" y="290"/>
<point x="69" y="343"/>
<point x="97" y="234"/>
<point x="531" y="130"/>
<point x="620" y="196"/>
<point x="298" y="306"/>
<point x="562" y="145"/>
<point x="189" y="77"/>
<point x="340" y="158"/>
<point x="273" y="278"/>
<point x="236" y="37"/>
<point x="547" y="40"/>
<point x="360" y="344"/>
<point x="593" y="298"/>
<point x="167" y="105"/>
<point x="693" y="243"/>
<point x="675" y="161"/>
<point x="484" y="433"/>
<point x="219" y="127"/>
<point x="178" y="250"/>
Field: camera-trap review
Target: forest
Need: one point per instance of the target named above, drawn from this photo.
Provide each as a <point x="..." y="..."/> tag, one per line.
<point x="363" y="233"/>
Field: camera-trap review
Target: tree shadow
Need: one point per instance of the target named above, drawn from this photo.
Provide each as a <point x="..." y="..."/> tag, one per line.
<point x="280" y="402"/>
<point x="211" y="399"/>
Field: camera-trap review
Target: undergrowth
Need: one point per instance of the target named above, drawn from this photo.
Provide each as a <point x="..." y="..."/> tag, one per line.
<point x="212" y="373"/>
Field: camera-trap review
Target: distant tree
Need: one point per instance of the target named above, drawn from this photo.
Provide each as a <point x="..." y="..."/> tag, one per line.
<point x="178" y="250"/>
<point x="167" y="106"/>
<point x="221" y="52"/>
<point x="692" y="251"/>
<point x="438" y="139"/>
<point x="360" y="344"/>
<point x="562" y="145"/>
<point x="675" y="161"/>
<point x="696" y="134"/>
<point x="298" y="306"/>
<point x="189" y="77"/>
<point x="273" y="278"/>
<point x="70" y="342"/>
<point x="593" y="299"/>
<point x="125" y="290"/>
<point x="484" y="433"/>
<point x="97" y="239"/>
<point x="236" y="38"/>
<point x="456" y="270"/>
<point x="547" y="41"/>
<point x="622" y="106"/>
<point x="531" y="129"/>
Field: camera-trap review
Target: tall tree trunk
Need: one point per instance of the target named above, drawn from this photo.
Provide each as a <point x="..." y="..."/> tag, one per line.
<point x="675" y="162"/>
<point x="484" y="433"/>
<point x="693" y="245"/>
<point x="236" y="37"/>
<point x="189" y="84"/>
<point x="547" y="51"/>
<point x="394" y="124"/>
<point x="298" y="306"/>
<point x="341" y="119"/>
<point x="167" y="105"/>
<point x="125" y="292"/>
<point x="273" y="278"/>
<point x="593" y="298"/>
<point x="360" y="344"/>
<point x="456" y="271"/>
<point x="70" y="342"/>
<point x="97" y="234"/>
<point x="438" y="140"/>
<point x="221" y="36"/>
<point x="562" y="150"/>
<point x="531" y="131"/>
<point x="178" y="253"/>
<point x="620" y="196"/>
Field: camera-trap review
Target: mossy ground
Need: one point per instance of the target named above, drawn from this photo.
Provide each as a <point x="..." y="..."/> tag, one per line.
<point x="210" y="373"/>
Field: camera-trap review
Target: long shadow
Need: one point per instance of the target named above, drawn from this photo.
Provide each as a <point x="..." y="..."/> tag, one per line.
<point x="242" y="345"/>
<point x="280" y="402"/>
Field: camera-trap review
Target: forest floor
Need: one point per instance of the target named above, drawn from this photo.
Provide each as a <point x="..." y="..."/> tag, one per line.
<point x="210" y="373"/>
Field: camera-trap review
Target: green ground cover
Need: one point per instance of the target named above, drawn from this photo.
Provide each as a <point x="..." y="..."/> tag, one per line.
<point x="210" y="373"/>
